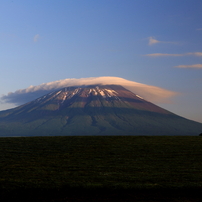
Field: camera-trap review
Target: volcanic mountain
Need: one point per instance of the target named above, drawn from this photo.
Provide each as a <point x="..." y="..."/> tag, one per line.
<point x="93" y="110"/>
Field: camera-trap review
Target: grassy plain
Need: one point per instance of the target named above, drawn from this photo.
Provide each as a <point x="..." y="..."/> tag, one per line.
<point x="127" y="168"/>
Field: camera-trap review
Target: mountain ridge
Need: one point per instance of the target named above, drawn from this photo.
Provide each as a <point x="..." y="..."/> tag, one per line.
<point x="93" y="110"/>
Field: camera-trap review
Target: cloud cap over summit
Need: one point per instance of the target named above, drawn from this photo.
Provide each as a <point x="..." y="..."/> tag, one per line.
<point x="148" y="92"/>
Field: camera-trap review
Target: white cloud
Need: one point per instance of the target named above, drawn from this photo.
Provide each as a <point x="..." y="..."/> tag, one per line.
<point x="148" y="92"/>
<point x="153" y="41"/>
<point x="199" y="29"/>
<point x="199" y="54"/>
<point x="196" y="66"/>
<point x="36" y="37"/>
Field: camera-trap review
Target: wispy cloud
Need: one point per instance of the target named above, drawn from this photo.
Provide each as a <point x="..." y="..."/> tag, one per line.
<point x="196" y="54"/>
<point x="36" y="37"/>
<point x="195" y="66"/>
<point x="148" y="92"/>
<point x="199" y="54"/>
<point x="163" y="54"/>
<point x="153" y="41"/>
<point x="199" y="29"/>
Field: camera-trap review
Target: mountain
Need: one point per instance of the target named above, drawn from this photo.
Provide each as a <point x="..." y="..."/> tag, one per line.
<point x="93" y="110"/>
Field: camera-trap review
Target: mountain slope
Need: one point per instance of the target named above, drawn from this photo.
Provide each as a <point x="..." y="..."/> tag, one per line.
<point x="93" y="110"/>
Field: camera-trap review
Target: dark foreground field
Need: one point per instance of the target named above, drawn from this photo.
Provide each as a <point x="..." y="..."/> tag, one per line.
<point x="101" y="169"/>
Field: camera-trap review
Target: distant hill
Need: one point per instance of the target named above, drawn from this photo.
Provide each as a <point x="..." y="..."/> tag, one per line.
<point x="93" y="110"/>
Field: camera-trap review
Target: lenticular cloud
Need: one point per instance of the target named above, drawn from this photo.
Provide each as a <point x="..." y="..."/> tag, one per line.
<point x="148" y="92"/>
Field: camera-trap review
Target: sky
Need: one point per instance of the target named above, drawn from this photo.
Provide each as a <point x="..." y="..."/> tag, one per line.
<point x="154" y="44"/>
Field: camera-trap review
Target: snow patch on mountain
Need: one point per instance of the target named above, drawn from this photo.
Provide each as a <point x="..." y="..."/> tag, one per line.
<point x="140" y="97"/>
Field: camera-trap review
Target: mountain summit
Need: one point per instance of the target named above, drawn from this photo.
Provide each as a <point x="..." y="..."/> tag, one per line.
<point x="93" y="110"/>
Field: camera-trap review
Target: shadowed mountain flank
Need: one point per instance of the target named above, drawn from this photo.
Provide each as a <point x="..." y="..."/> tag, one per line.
<point x="93" y="110"/>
